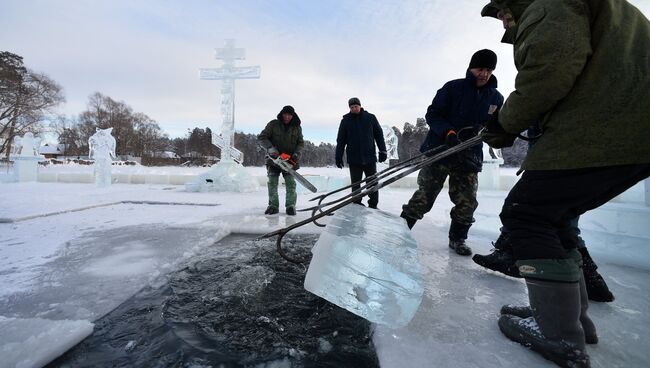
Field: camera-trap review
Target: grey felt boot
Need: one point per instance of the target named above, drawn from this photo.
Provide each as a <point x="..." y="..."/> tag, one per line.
<point x="554" y="330"/>
<point x="591" y="337"/>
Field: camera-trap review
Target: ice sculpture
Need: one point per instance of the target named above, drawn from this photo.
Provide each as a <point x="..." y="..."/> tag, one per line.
<point x="228" y="73"/>
<point x="102" y="149"/>
<point x="28" y="145"/>
<point x="490" y="176"/>
<point x="366" y="261"/>
<point x="391" y="142"/>
<point x="26" y="157"/>
<point x="228" y="174"/>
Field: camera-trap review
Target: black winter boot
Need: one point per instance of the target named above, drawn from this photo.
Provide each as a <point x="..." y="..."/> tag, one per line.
<point x="410" y="221"/>
<point x="554" y="329"/>
<point x="270" y="210"/>
<point x="503" y="242"/>
<point x="591" y="337"/>
<point x="596" y="287"/>
<point x="291" y="211"/>
<point x="457" y="235"/>
<point x="501" y="259"/>
<point x="460" y="247"/>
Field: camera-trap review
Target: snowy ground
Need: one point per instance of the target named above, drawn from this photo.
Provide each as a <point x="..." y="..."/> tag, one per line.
<point x="70" y="253"/>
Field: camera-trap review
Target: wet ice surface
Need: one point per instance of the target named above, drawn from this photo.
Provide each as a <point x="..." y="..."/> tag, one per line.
<point x="43" y="279"/>
<point x="456" y="324"/>
<point x="88" y="277"/>
<point x="237" y="304"/>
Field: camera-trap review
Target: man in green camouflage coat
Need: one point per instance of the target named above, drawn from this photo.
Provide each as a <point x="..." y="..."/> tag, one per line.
<point x="584" y="74"/>
<point x="282" y="135"/>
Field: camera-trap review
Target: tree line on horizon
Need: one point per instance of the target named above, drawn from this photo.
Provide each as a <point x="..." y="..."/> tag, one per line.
<point x="28" y="100"/>
<point x="409" y="140"/>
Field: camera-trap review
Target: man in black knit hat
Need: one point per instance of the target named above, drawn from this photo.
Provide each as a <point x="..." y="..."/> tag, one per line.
<point x="460" y="108"/>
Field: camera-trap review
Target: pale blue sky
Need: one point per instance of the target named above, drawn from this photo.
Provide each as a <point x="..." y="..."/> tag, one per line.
<point x="314" y="55"/>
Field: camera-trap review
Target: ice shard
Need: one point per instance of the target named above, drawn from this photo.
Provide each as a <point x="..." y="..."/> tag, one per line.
<point x="366" y="261"/>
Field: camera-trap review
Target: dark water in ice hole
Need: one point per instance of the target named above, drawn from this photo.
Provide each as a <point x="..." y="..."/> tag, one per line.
<point x="239" y="305"/>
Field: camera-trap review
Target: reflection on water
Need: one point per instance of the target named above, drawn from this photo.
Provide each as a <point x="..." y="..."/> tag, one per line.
<point x="229" y="310"/>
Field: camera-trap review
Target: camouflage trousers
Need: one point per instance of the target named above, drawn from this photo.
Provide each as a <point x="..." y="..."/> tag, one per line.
<point x="273" y="176"/>
<point x="463" y="186"/>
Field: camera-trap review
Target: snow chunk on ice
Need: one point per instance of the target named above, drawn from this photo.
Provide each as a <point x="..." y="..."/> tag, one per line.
<point x="35" y="342"/>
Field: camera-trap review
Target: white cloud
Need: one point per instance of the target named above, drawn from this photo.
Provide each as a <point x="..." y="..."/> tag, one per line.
<point x="314" y="55"/>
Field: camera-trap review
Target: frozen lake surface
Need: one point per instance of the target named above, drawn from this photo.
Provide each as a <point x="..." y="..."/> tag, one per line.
<point x="70" y="254"/>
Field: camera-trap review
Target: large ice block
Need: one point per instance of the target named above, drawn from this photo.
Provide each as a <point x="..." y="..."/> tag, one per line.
<point x="366" y="261"/>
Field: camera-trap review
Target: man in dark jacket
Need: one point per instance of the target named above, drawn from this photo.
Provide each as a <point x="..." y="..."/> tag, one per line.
<point x="282" y="135"/>
<point x="583" y="69"/>
<point x="359" y="131"/>
<point x="460" y="107"/>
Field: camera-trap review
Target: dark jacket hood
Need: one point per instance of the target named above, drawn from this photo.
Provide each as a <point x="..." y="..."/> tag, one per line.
<point x="517" y="7"/>
<point x="294" y="121"/>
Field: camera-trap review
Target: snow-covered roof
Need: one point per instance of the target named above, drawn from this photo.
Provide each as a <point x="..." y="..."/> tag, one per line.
<point x="48" y="149"/>
<point x="169" y="154"/>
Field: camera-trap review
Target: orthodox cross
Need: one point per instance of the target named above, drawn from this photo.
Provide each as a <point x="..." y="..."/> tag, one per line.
<point x="228" y="73"/>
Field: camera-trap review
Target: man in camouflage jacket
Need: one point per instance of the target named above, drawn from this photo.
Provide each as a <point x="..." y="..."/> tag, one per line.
<point x="584" y="74"/>
<point x="282" y="135"/>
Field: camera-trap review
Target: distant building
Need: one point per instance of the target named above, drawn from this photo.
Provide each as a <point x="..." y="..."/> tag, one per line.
<point x="166" y="154"/>
<point x="52" y="150"/>
<point x="192" y="154"/>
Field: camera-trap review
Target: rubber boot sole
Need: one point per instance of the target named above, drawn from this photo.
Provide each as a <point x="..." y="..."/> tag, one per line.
<point x="526" y="312"/>
<point x="526" y="332"/>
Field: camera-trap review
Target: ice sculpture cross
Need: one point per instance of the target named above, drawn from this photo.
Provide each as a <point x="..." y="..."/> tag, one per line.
<point x="228" y="73"/>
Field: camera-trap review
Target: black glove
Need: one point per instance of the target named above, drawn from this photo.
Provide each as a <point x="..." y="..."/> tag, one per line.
<point x="382" y="156"/>
<point x="451" y="139"/>
<point x="273" y="152"/>
<point x="295" y="157"/>
<point x="494" y="134"/>
<point x="339" y="163"/>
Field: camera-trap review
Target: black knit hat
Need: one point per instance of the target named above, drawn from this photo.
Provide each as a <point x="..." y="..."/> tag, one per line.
<point x="288" y="110"/>
<point x="354" y="101"/>
<point x="484" y="59"/>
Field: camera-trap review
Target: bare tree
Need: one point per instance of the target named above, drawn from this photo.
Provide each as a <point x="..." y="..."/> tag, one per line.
<point x="103" y="112"/>
<point x="68" y="133"/>
<point x="150" y="140"/>
<point x="26" y="98"/>
<point x="135" y="133"/>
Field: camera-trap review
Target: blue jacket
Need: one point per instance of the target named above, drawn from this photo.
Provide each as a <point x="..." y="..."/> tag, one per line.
<point x="357" y="136"/>
<point x="457" y="105"/>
